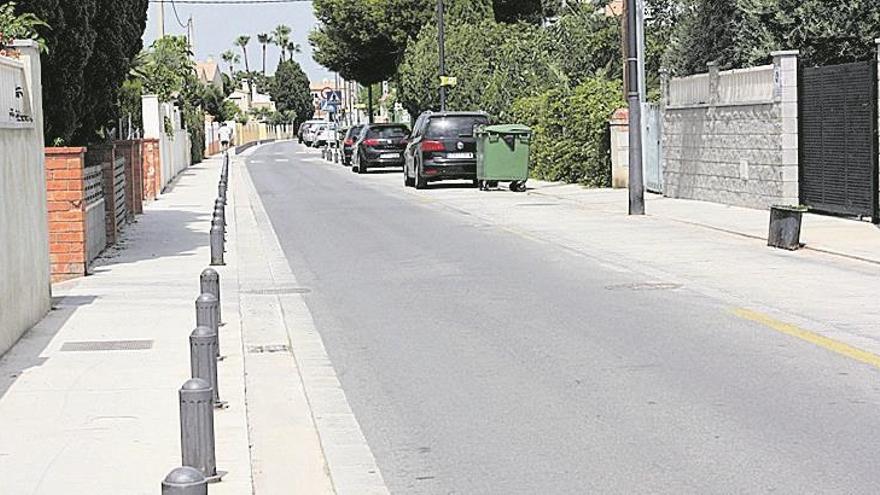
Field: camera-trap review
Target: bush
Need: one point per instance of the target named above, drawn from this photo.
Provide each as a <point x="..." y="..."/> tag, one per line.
<point x="571" y="131"/>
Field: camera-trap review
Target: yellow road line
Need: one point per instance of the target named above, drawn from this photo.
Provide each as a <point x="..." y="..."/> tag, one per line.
<point x="811" y="337"/>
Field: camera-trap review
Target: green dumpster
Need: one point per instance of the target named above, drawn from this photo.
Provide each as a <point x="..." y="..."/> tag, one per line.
<point x="503" y="155"/>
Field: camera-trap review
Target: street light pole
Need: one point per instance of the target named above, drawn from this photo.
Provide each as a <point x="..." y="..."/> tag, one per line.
<point x="441" y="35"/>
<point x="636" y="180"/>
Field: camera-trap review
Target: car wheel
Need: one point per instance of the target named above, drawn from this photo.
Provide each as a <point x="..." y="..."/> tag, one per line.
<point x="362" y="169"/>
<point x="420" y="181"/>
<point x="476" y="182"/>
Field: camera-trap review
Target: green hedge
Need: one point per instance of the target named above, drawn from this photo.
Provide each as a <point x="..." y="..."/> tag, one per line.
<point x="571" y="140"/>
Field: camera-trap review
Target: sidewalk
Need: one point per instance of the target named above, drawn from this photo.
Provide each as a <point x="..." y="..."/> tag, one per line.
<point x="105" y="419"/>
<point x="88" y="397"/>
<point x="834" y="235"/>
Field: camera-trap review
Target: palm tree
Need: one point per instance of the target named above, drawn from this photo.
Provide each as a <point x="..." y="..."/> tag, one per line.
<point x="281" y="37"/>
<point x="264" y="40"/>
<point x="242" y="42"/>
<point x="293" y="48"/>
<point x="230" y="58"/>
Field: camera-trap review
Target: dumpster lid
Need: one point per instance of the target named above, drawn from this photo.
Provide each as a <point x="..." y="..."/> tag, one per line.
<point x="508" y="129"/>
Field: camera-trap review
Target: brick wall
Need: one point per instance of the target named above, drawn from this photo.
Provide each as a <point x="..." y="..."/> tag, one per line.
<point x="134" y="169"/>
<point x="152" y="175"/>
<point x="67" y="217"/>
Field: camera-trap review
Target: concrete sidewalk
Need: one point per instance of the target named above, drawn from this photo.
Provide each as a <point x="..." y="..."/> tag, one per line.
<point x="105" y="419"/>
<point x="847" y="237"/>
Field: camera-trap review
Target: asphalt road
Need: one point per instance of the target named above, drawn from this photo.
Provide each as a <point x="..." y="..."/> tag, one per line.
<point x="481" y="362"/>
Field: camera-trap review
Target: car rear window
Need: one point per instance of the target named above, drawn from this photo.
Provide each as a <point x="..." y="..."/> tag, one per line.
<point x="387" y="132"/>
<point x="354" y="131"/>
<point x="453" y="126"/>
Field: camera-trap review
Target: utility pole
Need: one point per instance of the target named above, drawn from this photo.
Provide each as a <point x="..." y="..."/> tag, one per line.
<point x="441" y="35"/>
<point x="162" y="19"/>
<point x="636" y="180"/>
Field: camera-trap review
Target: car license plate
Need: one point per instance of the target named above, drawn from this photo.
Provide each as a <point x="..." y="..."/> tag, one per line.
<point x="460" y="155"/>
<point x="389" y="155"/>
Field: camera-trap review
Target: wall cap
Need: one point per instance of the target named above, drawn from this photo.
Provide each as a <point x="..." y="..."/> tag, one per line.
<point x="65" y="150"/>
<point x="24" y="44"/>
<point x="785" y="53"/>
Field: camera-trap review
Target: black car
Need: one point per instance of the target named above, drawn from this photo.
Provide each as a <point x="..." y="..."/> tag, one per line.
<point x="379" y="145"/>
<point x="348" y="143"/>
<point x="442" y="147"/>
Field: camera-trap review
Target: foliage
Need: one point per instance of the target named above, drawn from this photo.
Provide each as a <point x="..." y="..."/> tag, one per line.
<point x="585" y="43"/>
<point x="570" y="141"/>
<point x="119" y="25"/>
<point x="20" y="26"/>
<point x="494" y="63"/>
<point x="194" y="119"/>
<point x="742" y="33"/>
<point x="167" y="68"/>
<point x="531" y="11"/>
<point x="215" y="104"/>
<point x="70" y="44"/>
<point x="290" y="91"/>
<point x="365" y="41"/>
<point x="130" y="103"/>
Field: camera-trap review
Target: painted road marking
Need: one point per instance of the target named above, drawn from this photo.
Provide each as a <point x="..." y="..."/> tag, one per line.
<point x="808" y="336"/>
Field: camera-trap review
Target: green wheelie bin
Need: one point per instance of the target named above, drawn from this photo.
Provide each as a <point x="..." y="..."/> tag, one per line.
<point x="503" y="155"/>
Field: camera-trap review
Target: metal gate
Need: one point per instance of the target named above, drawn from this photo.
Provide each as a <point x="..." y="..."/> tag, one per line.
<point x="652" y="148"/>
<point x="837" y="114"/>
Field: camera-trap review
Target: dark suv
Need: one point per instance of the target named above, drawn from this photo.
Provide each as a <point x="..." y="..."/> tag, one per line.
<point x="348" y="143"/>
<point x="379" y="145"/>
<point x="442" y="147"/>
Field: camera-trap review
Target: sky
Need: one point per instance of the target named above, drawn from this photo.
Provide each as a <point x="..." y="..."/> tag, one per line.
<point x="216" y="26"/>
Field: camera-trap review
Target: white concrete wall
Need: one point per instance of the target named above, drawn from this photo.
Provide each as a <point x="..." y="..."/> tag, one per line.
<point x="731" y="137"/>
<point x="25" y="292"/>
<point x="174" y="148"/>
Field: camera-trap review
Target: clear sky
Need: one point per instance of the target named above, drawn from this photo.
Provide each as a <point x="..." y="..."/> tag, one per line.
<point x="216" y="26"/>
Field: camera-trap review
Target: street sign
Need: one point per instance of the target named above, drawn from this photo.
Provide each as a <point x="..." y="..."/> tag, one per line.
<point x="448" y="81"/>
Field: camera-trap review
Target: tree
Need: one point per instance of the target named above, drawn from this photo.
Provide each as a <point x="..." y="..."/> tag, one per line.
<point x="263" y="39"/>
<point x="230" y="58"/>
<point x="70" y="43"/>
<point x="511" y="11"/>
<point x="495" y="64"/>
<point x="586" y="43"/>
<point x="119" y="25"/>
<point x="242" y="42"/>
<point x="281" y="37"/>
<point x="742" y="33"/>
<point x="293" y="48"/>
<point x="166" y="68"/>
<point x="291" y="92"/>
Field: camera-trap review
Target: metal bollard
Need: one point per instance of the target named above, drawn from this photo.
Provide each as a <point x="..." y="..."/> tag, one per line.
<point x="206" y="315"/>
<point x="203" y="359"/>
<point x="336" y="155"/>
<point x="221" y="192"/>
<point x="197" y="428"/>
<point x="209" y="283"/>
<point x="217" y="242"/>
<point x="185" y="481"/>
<point x="220" y="212"/>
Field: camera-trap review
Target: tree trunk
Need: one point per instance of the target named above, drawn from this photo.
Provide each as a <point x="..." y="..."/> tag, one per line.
<point x="370" y="103"/>
<point x="264" y="59"/>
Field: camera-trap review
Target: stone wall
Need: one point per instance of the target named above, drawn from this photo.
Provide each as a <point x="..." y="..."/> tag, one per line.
<point x="731" y="137"/>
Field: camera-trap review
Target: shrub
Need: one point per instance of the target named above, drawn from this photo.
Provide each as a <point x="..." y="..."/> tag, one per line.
<point x="571" y="131"/>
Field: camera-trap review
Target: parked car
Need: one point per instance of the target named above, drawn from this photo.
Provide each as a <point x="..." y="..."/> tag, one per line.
<point x="351" y="135"/>
<point x="442" y="147"/>
<point x="326" y="133"/>
<point x="310" y="130"/>
<point x="379" y="145"/>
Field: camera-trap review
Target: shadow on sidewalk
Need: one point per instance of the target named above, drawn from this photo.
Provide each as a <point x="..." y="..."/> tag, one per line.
<point x="27" y="352"/>
<point x="158" y="234"/>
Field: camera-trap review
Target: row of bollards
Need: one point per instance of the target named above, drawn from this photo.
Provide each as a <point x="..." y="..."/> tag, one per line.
<point x="200" y="395"/>
<point x="331" y="153"/>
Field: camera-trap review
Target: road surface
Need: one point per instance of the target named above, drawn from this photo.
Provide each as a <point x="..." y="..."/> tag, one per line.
<point x="479" y="361"/>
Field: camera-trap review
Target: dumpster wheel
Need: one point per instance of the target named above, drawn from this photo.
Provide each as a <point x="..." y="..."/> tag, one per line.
<point x="518" y="186"/>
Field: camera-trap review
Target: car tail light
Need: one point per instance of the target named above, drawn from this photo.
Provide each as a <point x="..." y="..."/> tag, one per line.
<point x="430" y="171"/>
<point x="428" y="146"/>
<point x="349" y="142"/>
<point x="371" y="142"/>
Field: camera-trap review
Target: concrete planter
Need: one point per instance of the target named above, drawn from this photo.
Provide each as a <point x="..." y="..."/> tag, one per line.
<point x="785" y="227"/>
